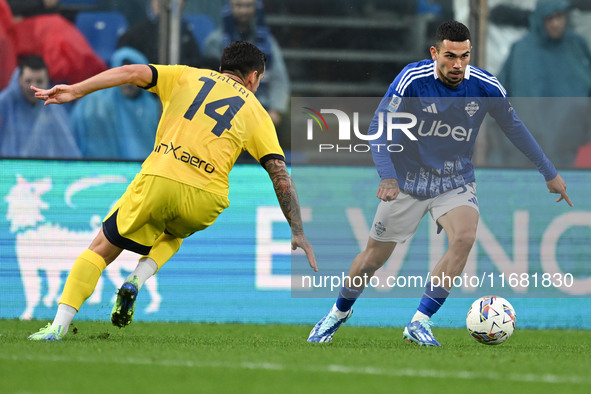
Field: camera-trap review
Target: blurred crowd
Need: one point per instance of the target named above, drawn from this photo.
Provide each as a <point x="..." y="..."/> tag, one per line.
<point x="538" y="49"/>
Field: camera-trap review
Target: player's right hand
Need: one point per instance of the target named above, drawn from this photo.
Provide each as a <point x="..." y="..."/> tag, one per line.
<point x="388" y="189"/>
<point x="300" y="241"/>
<point x="58" y="94"/>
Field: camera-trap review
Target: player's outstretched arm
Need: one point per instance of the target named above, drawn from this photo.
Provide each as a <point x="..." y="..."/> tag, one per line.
<point x="290" y="205"/>
<point x="137" y="74"/>
<point x="388" y="189"/>
<point x="558" y="185"/>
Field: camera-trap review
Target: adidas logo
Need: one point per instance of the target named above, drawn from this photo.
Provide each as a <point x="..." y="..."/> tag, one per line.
<point x="432" y="109"/>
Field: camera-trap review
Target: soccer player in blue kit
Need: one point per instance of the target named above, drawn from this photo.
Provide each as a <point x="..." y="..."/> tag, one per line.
<point x="435" y="173"/>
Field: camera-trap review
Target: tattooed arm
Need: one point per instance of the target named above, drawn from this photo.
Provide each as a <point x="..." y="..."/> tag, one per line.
<point x="388" y="189"/>
<point x="288" y="200"/>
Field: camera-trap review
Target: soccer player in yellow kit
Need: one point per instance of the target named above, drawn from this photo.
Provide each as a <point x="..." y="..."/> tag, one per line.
<point x="208" y="119"/>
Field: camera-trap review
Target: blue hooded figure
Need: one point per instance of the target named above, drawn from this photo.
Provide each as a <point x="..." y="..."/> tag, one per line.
<point x="117" y="123"/>
<point x="548" y="76"/>
<point x="551" y="60"/>
<point x="29" y="129"/>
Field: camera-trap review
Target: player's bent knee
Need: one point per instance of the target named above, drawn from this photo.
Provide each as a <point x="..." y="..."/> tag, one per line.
<point x="371" y="265"/>
<point x="104" y="248"/>
<point x="464" y="240"/>
<point x="375" y="258"/>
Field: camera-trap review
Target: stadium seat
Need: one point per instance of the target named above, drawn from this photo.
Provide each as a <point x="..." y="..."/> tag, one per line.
<point x="102" y="29"/>
<point x="200" y="25"/>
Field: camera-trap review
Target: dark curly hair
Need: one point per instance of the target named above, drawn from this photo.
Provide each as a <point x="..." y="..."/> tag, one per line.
<point x="452" y="31"/>
<point x="242" y="58"/>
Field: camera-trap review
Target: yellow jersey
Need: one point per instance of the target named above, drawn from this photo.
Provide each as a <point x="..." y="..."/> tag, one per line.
<point x="208" y="120"/>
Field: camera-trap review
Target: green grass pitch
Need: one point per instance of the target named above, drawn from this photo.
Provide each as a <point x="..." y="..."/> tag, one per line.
<point x="240" y="358"/>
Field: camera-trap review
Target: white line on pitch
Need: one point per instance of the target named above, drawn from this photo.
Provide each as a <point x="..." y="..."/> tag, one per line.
<point x="334" y="368"/>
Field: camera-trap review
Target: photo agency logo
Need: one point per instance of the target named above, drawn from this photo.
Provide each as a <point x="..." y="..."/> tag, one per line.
<point x="349" y="137"/>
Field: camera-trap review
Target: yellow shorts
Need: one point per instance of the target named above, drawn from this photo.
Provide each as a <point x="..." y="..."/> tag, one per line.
<point x="152" y="205"/>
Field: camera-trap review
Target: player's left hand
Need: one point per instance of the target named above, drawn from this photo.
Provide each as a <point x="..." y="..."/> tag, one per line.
<point x="302" y="242"/>
<point x="558" y="185"/>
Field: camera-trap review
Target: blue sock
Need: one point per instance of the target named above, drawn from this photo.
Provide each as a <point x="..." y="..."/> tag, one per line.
<point x="432" y="299"/>
<point x="347" y="298"/>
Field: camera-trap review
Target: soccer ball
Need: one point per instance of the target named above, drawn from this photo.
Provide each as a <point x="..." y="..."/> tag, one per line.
<point x="491" y="320"/>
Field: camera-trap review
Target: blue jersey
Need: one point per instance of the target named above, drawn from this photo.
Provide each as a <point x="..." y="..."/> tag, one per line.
<point x="448" y="121"/>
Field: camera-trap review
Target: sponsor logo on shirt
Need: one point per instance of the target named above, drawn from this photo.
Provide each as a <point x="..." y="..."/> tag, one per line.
<point x="184" y="156"/>
<point x="440" y="129"/>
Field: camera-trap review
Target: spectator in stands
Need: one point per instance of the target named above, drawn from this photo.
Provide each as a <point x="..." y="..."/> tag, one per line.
<point x="120" y="122"/>
<point x="27" y="129"/>
<point x="36" y="29"/>
<point x="143" y="36"/>
<point x="551" y="60"/>
<point x="508" y="21"/>
<point x="7" y="52"/>
<point x="243" y="20"/>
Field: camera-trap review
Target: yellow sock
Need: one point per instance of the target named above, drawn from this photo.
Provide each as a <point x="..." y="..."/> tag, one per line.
<point x="164" y="248"/>
<point x="82" y="279"/>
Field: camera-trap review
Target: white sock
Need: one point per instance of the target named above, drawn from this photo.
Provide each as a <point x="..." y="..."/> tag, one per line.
<point x="64" y="316"/>
<point x="419" y="316"/>
<point x="145" y="268"/>
<point x="338" y="312"/>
